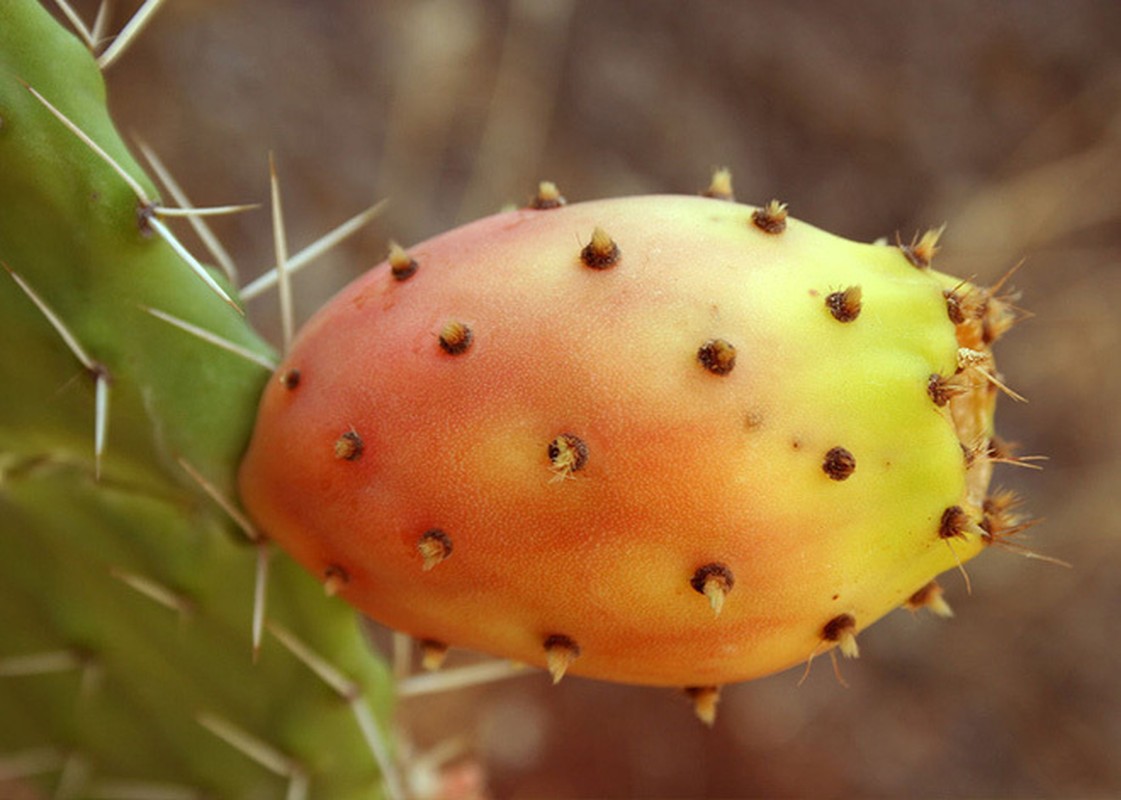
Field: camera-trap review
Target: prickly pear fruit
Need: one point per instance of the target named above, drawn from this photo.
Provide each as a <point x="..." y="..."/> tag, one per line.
<point x="665" y="440"/>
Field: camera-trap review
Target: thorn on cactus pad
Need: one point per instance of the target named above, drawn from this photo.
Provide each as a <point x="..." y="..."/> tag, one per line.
<point x="401" y="265"/>
<point x="260" y="595"/>
<point x="721" y="186"/>
<point x="930" y="597"/>
<point x="714" y="581"/>
<point x="568" y="453"/>
<point x="433" y="653"/>
<point x="212" y="338"/>
<point x="192" y="262"/>
<point x="601" y="252"/>
<point x="354" y="695"/>
<point x="80" y="27"/>
<point x="313" y="251"/>
<point x="839" y="464"/>
<point x="280" y="248"/>
<point x="334" y="579"/>
<point x="156" y="591"/>
<point x="271" y="758"/>
<point x="145" y="213"/>
<point x="842" y="630"/>
<point x="98" y="371"/>
<point x="43" y="663"/>
<point x="560" y="652"/>
<point x="705" y="700"/>
<point x="921" y="251"/>
<point x="548" y="196"/>
<point x="349" y="446"/>
<point x="195" y="216"/>
<point x="455" y="338"/>
<point x="434" y="546"/>
<point x="717" y="356"/>
<point x="771" y="218"/>
<point x="845" y="306"/>
<point x="128" y="34"/>
<point x="224" y="502"/>
<point x="138" y="190"/>
<point x="148" y="220"/>
<point x="289" y="379"/>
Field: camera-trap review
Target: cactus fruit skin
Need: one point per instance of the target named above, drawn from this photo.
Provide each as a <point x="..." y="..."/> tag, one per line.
<point x="663" y="440"/>
<point x="126" y="595"/>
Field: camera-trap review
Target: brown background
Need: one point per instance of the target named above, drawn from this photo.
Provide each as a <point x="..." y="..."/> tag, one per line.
<point x="868" y="118"/>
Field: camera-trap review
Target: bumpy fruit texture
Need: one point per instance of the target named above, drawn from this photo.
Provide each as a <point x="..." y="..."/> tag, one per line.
<point x="661" y="440"/>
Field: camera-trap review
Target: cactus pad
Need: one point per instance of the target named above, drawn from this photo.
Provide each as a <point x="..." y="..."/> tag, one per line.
<point x="127" y="662"/>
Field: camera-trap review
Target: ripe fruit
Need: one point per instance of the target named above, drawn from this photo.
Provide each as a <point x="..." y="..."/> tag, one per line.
<point x="664" y="440"/>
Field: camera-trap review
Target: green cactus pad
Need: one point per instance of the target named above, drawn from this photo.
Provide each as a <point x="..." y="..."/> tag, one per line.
<point x="126" y="600"/>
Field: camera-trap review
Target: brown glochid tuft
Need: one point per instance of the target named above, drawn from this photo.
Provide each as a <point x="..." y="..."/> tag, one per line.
<point x="334" y="579"/>
<point x="999" y="512"/>
<point x="290" y="379"/>
<point x="705" y="700"/>
<point x="401" y="265"/>
<point x="839" y="464"/>
<point x="953" y="524"/>
<point x="954" y="308"/>
<point x="997" y="318"/>
<point x="455" y="338"/>
<point x="560" y="652"/>
<point x="919" y="598"/>
<point x="560" y="641"/>
<point x="771" y="218"/>
<point x="931" y="598"/>
<point x="433" y="652"/>
<point x="717" y="356"/>
<point x="942" y="390"/>
<point x="921" y="251"/>
<point x="714" y="581"/>
<point x="548" y="196"/>
<point x="836" y="629"/>
<point x="842" y="630"/>
<point x="715" y="572"/>
<point x="721" y="186"/>
<point x="349" y="446"/>
<point x="568" y="453"/>
<point x="434" y="546"/>
<point x="601" y="252"/>
<point x="845" y="306"/>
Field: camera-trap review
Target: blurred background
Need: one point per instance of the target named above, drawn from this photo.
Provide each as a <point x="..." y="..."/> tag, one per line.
<point x="869" y="118"/>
